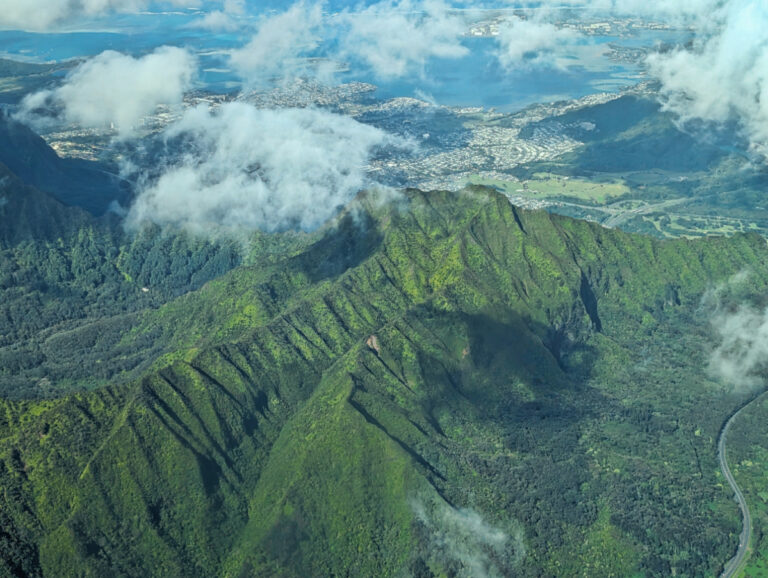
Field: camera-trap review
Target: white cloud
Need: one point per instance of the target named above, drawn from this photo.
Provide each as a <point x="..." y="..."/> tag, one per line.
<point x="280" y="42"/>
<point x="742" y="355"/>
<point x="675" y="10"/>
<point x="724" y="76"/>
<point x="463" y="544"/>
<point x="41" y="15"/>
<point x="678" y="11"/>
<point x="246" y="168"/>
<point x="395" y="38"/>
<point x="34" y="14"/>
<point x="228" y="19"/>
<point x="216" y="21"/>
<point x="114" y="88"/>
<point x="533" y="42"/>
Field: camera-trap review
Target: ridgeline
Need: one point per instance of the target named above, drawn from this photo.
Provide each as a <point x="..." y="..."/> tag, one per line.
<point x="442" y="384"/>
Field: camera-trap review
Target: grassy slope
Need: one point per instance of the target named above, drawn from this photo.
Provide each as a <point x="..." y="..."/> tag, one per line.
<point x="455" y="386"/>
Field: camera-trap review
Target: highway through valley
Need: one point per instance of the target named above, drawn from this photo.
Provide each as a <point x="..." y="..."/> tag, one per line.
<point x="734" y="564"/>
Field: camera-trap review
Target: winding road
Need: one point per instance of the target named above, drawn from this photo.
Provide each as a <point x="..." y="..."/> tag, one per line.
<point x="735" y="563"/>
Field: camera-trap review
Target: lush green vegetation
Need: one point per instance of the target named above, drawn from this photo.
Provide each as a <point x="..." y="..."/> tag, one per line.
<point x="639" y="171"/>
<point x="748" y="456"/>
<point x="72" y="286"/>
<point x="547" y="185"/>
<point x="442" y="385"/>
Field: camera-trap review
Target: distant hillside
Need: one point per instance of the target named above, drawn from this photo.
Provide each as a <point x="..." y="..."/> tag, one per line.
<point x="443" y="385"/>
<point x="632" y="134"/>
<point x="14" y="68"/>
<point x="22" y="78"/>
<point x="72" y="181"/>
<point x="694" y="181"/>
<point x="28" y="214"/>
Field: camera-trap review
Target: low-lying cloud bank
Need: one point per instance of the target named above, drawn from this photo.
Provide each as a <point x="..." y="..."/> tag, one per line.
<point x="227" y="19"/>
<point x="278" y="45"/>
<point x="740" y="358"/>
<point x="239" y="167"/>
<point x="675" y="11"/>
<point x="42" y="15"/>
<point x="391" y="38"/>
<point x="463" y="544"/>
<point x="397" y="37"/>
<point x="533" y="43"/>
<point x="724" y="76"/>
<point x="114" y="89"/>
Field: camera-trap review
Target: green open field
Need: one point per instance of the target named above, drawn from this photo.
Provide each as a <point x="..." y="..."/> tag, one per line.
<point x="673" y="225"/>
<point x="549" y="185"/>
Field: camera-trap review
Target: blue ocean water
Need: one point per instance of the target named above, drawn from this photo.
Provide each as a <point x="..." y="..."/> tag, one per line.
<point x="475" y="80"/>
<point x="479" y="80"/>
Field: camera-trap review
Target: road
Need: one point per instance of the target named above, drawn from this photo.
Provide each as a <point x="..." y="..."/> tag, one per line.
<point x="735" y="563"/>
<point x="623" y="216"/>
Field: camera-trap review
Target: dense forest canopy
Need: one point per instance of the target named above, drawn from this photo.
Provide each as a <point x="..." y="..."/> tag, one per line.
<point x="441" y="382"/>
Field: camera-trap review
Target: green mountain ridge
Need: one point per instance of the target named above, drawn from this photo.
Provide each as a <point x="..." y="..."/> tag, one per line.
<point x="72" y="284"/>
<point x="445" y="385"/>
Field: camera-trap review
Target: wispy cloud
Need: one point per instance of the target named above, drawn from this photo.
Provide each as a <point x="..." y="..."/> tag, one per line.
<point x="533" y="42"/>
<point x="240" y="167"/>
<point x="676" y="11"/>
<point x="740" y="356"/>
<point x="279" y="45"/>
<point x="42" y="15"/>
<point x="395" y="38"/>
<point x="723" y="77"/>
<point x="462" y="543"/>
<point x="117" y="89"/>
<point x="229" y="18"/>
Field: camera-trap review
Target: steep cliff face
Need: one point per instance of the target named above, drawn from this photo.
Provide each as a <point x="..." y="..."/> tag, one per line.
<point x="439" y="385"/>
